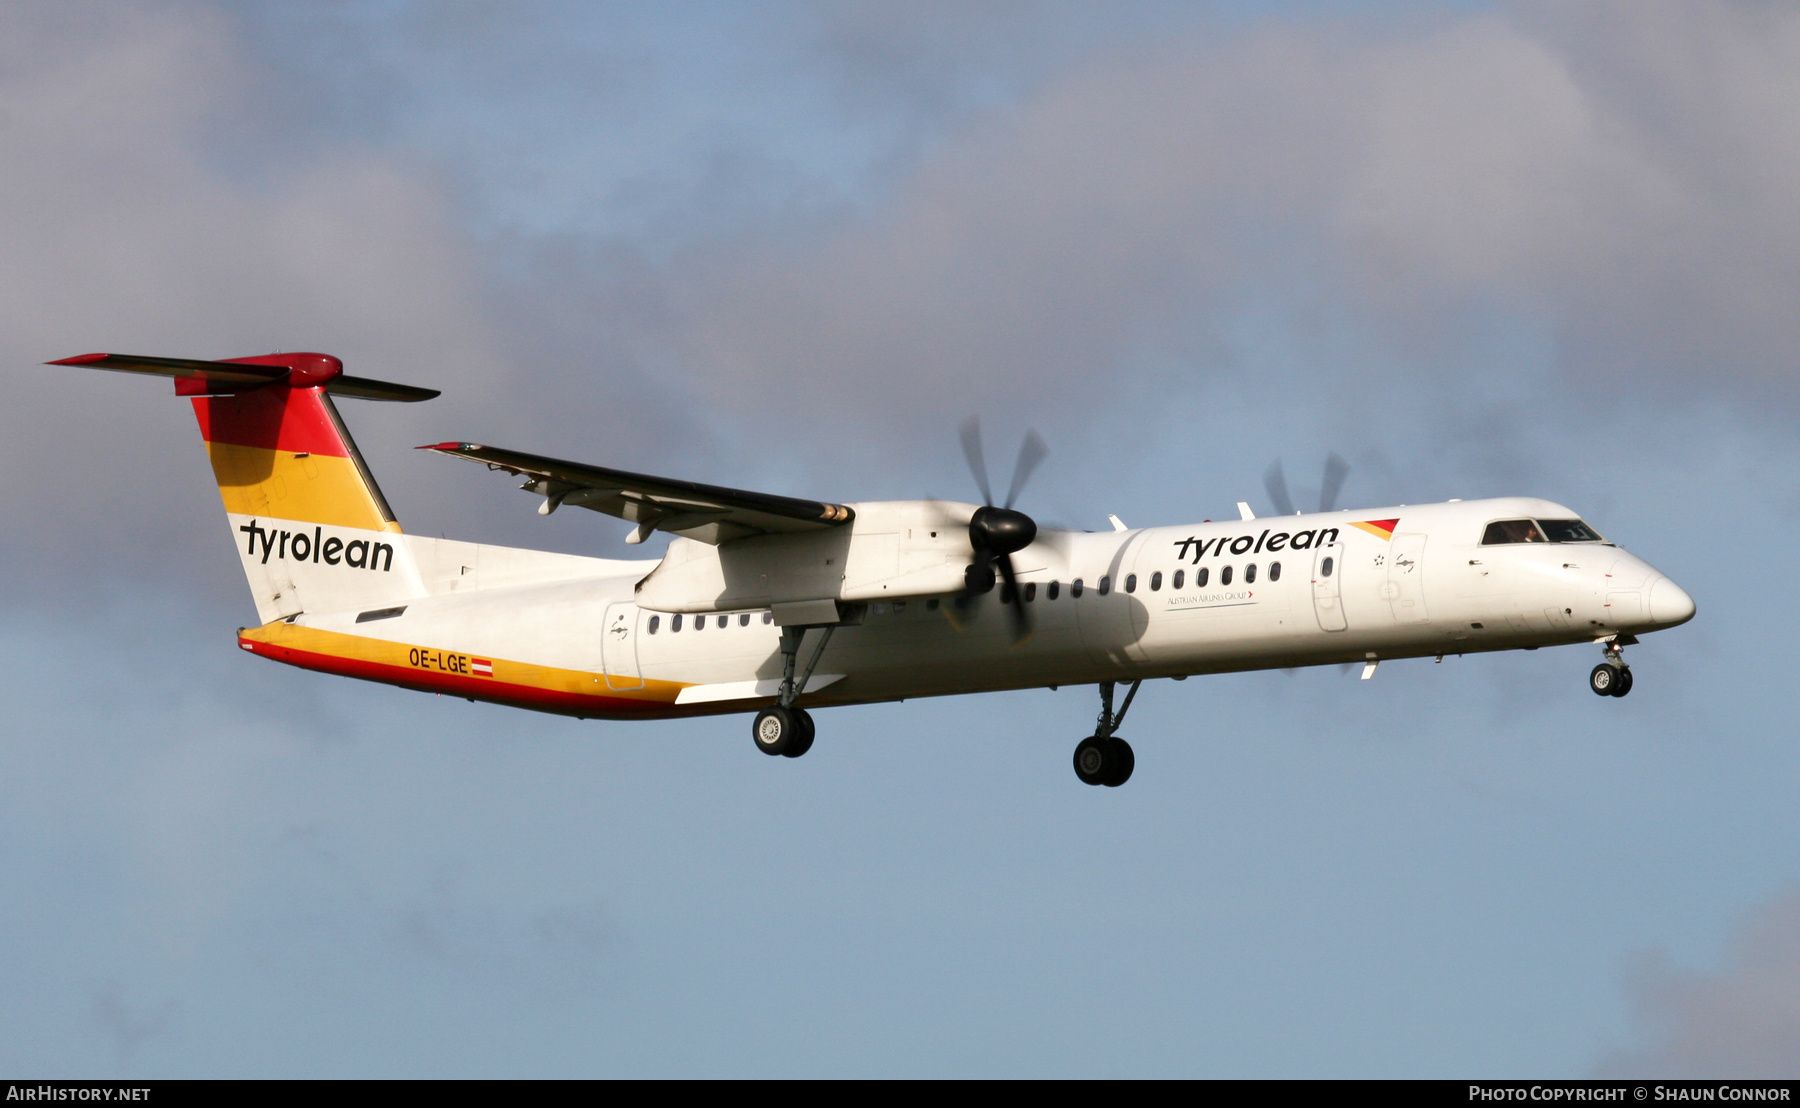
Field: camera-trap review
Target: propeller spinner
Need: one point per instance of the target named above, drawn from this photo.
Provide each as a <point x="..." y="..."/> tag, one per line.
<point x="997" y="533"/>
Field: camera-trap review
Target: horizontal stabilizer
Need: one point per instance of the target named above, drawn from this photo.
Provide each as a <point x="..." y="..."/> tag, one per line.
<point x="705" y="512"/>
<point x="194" y="377"/>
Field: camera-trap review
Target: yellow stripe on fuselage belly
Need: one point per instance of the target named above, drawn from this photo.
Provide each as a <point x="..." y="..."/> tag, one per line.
<point x="547" y="688"/>
<point x="316" y="488"/>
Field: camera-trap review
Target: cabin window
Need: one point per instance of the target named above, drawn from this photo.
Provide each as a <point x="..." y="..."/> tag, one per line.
<point x="1105" y="585"/>
<point x="1504" y="531"/>
<point x="1274" y="571"/>
<point x="1031" y="592"/>
<point x="768" y="617"/>
<point x="675" y="622"/>
<point x="1200" y="576"/>
<point x="1156" y="581"/>
<point x="932" y="604"/>
<point x="655" y="622"/>
<point x="900" y="605"/>
<point x="1131" y="582"/>
<point x="1250" y="574"/>
<point x="1568" y="530"/>
<point x="1325" y="568"/>
<point x="1054" y="588"/>
<point x="1180" y="576"/>
<point x="744" y="620"/>
<point x="1225" y="576"/>
<point x="1075" y="588"/>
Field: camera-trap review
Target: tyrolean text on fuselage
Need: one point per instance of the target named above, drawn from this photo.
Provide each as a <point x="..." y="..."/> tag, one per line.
<point x="1263" y="543"/>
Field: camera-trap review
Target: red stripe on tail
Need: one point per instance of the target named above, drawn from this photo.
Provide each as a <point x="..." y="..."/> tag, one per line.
<point x="274" y="417"/>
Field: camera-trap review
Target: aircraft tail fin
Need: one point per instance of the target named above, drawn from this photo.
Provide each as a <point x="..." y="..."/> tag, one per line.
<point x="312" y="529"/>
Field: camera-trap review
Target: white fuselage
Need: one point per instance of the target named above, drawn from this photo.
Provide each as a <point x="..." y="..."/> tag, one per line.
<point x="1430" y="588"/>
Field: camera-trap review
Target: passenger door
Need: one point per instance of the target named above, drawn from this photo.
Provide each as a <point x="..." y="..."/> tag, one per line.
<point x="618" y="647"/>
<point x="1328" y="603"/>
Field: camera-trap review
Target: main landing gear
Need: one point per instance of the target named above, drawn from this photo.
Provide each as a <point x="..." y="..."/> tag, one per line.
<point x="1103" y="758"/>
<point x="781" y="728"/>
<point x="1611" y="677"/>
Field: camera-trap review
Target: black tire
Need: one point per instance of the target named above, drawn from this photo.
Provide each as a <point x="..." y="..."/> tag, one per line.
<point x="803" y="739"/>
<point x="1622" y="683"/>
<point x="1094" y="760"/>
<point x="1604" y="679"/>
<point x="1122" y="762"/>
<point x="776" y="731"/>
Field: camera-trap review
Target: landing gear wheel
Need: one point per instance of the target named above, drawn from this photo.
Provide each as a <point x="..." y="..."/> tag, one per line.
<point x="803" y="739"/>
<point x="1606" y="679"/>
<point x="1123" y="762"/>
<point x="1103" y="761"/>
<point x="1622" y="683"/>
<point x="778" y="730"/>
<point x="1090" y="760"/>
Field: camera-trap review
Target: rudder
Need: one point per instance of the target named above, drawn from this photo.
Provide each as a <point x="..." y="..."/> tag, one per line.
<point x="313" y="530"/>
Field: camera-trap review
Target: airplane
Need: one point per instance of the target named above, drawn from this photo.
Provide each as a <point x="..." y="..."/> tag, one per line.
<point x="778" y="606"/>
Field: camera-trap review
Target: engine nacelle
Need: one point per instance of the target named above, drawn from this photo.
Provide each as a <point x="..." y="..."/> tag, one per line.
<point x="892" y="549"/>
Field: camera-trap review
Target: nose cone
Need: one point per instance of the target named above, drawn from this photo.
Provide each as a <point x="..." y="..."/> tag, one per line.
<point x="1669" y="603"/>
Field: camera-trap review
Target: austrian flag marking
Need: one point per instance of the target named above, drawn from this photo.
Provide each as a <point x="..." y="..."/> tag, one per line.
<point x="481" y="667"/>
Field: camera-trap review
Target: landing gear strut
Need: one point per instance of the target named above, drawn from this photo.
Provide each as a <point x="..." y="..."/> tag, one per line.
<point x="782" y="728"/>
<point x="1103" y="758"/>
<point x="1611" y="677"/>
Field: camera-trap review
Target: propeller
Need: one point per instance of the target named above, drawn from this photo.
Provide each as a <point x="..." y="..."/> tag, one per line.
<point x="997" y="533"/>
<point x="1275" y="482"/>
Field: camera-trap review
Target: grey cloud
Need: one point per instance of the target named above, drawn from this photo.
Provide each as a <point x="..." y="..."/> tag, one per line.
<point x="1742" y="1021"/>
<point x="571" y="928"/>
<point x="123" y="231"/>
<point x="437" y="925"/>
<point x="1612" y="183"/>
<point x="128" y="1024"/>
<point x="454" y="924"/>
<point x="1419" y="187"/>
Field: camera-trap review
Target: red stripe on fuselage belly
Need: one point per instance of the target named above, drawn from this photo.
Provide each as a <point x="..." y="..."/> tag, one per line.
<point x="475" y="688"/>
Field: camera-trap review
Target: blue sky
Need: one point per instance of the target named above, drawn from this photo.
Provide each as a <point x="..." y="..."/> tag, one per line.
<point x="1477" y="250"/>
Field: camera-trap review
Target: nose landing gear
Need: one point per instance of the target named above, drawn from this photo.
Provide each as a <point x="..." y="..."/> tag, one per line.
<point x="1611" y="677"/>
<point x="1103" y="758"/>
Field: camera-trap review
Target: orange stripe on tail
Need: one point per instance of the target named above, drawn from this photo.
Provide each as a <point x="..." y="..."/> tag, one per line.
<point x="283" y="452"/>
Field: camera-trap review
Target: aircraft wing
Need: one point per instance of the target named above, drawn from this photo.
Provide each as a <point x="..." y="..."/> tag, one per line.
<point x="705" y="512"/>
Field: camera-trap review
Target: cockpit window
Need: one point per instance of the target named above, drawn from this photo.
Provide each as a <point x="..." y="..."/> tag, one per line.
<point x="1568" y="530"/>
<point x="1503" y="531"/>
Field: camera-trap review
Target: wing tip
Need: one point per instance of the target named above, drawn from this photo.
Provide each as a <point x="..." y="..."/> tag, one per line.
<point x="80" y="359"/>
<point x="448" y="447"/>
